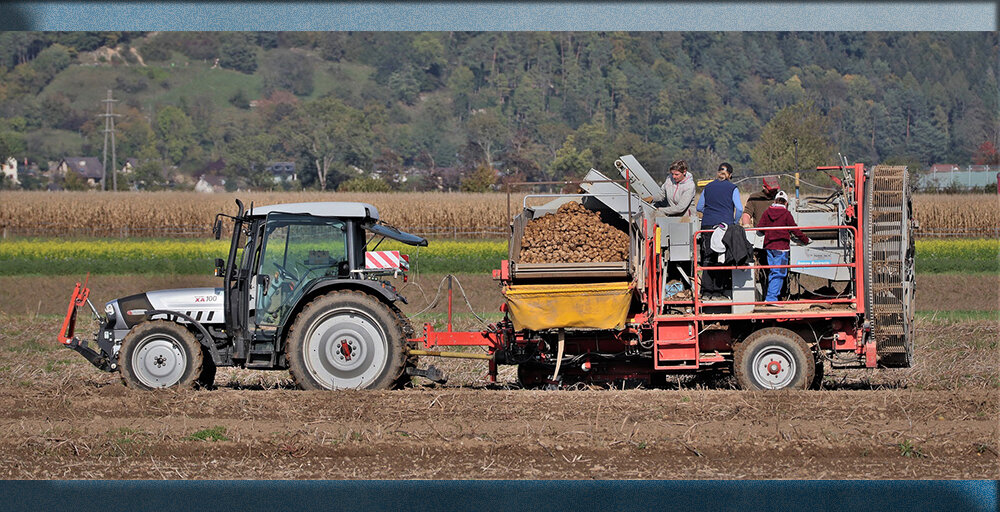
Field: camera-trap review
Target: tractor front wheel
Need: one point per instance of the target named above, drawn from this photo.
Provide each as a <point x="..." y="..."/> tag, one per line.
<point x="160" y="354"/>
<point x="346" y="340"/>
<point x="774" y="358"/>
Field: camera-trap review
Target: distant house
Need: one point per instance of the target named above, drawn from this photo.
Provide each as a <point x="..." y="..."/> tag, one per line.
<point x="213" y="167"/>
<point x="130" y="165"/>
<point x="209" y="183"/>
<point x="89" y="167"/>
<point x="9" y="169"/>
<point x="446" y="178"/>
<point x="282" y="171"/>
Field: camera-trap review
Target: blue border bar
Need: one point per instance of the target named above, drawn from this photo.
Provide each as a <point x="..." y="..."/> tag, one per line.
<point x="505" y="496"/>
<point x="457" y="15"/>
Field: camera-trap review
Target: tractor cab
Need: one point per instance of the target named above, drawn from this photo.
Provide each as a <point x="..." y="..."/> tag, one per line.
<point x="283" y="255"/>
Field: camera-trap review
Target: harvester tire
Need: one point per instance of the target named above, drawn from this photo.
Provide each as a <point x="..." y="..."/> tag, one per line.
<point x="160" y="354"/>
<point x="817" y="382"/>
<point x="532" y="375"/>
<point x="346" y="340"/>
<point x="774" y="358"/>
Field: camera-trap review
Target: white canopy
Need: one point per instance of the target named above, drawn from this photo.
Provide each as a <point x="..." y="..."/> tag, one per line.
<point x="322" y="209"/>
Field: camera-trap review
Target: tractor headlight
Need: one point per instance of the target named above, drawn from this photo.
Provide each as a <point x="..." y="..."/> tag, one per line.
<point x="109" y="309"/>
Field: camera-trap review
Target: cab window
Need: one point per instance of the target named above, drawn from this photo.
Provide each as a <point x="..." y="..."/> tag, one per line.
<point x="297" y="250"/>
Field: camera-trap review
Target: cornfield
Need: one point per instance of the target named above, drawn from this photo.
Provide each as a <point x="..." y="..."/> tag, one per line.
<point x="970" y="214"/>
<point x="189" y="214"/>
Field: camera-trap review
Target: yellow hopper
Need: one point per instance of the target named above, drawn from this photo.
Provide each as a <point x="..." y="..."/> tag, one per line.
<point x="580" y="306"/>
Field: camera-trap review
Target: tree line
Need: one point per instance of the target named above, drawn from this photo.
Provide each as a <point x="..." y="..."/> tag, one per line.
<point x="420" y="110"/>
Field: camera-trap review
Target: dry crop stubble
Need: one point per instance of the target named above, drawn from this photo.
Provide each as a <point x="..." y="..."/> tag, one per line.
<point x="957" y="212"/>
<point x="142" y="213"/>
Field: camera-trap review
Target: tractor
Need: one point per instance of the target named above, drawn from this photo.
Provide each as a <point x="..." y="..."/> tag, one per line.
<point x="300" y="291"/>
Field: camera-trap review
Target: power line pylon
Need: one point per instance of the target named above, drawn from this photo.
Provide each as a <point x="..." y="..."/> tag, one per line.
<point x="109" y="128"/>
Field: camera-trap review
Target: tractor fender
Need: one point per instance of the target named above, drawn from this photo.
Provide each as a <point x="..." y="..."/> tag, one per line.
<point x="383" y="291"/>
<point x="206" y="339"/>
<point x="377" y="289"/>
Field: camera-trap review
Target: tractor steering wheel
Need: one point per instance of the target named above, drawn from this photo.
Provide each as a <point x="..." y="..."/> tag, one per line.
<point x="285" y="274"/>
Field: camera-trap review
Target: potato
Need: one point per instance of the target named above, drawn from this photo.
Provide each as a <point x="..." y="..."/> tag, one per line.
<point x="573" y="234"/>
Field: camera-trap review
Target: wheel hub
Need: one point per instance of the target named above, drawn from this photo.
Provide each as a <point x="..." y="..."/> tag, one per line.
<point x="773" y="367"/>
<point x="345" y="350"/>
<point x="159" y="362"/>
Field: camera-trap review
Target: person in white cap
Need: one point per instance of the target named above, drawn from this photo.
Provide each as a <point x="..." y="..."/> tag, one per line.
<point x="776" y="242"/>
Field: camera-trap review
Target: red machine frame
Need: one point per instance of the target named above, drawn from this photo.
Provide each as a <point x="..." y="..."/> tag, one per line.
<point x="681" y="342"/>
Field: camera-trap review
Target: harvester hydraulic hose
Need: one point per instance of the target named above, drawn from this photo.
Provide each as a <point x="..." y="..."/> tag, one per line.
<point x="559" y="354"/>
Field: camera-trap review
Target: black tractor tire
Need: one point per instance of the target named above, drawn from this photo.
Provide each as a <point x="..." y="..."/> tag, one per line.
<point x="411" y="361"/>
<point x="160" y="354"/>
<point x="206" y="379"/>
<point x="773" y="358"/>
<point x="346" y="340"/>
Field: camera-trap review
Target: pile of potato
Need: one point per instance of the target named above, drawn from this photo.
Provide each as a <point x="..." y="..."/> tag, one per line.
<point x="573" y="234"/>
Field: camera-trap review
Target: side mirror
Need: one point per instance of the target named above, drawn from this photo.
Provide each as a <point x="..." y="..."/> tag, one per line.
<point x="217" y="229"/>
<point x="220" y="267"/>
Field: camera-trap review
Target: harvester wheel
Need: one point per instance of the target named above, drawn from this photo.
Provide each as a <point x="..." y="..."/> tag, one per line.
<point x="160" y="354"/>
<point x="346" y="339"/>
<point x="533" y="375"/>
<point x="774" y="358"/>
<point x="817" y="382"/>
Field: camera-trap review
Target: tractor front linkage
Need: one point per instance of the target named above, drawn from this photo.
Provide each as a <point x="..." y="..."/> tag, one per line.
<point x="81" y="296"/>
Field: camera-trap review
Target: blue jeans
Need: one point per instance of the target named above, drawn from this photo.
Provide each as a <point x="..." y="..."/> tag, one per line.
<point x="776" y="276"/>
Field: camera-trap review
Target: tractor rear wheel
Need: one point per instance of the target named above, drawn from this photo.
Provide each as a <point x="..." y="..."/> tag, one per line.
<point x="160" y="354"/>
<point x="346" y="340"/>
<point x="774" y="358"/>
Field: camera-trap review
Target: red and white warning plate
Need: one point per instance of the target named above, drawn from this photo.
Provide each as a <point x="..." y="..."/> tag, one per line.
<point x="386" y="260"/>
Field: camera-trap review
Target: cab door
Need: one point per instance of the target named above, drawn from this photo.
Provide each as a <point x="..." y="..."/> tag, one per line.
<point x="296" y="250"/>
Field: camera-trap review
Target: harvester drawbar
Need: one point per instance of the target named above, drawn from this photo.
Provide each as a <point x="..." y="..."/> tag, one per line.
<point x="304" y="288"/>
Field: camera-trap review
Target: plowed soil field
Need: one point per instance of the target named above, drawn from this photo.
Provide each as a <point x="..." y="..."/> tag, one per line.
<point x="61" y="418"/>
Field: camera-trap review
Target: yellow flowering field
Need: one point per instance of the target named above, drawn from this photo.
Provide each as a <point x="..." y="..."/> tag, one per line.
<point x="193" y="256"/>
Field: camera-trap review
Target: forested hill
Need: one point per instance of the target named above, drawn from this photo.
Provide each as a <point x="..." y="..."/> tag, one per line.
<point x="535" y="105"/>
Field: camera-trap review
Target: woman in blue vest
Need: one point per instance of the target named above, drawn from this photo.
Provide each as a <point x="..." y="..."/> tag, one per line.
<point x="720" y="203"/>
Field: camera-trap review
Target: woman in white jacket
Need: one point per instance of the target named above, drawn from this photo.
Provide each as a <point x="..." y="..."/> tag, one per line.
<point x="678" y="191"/>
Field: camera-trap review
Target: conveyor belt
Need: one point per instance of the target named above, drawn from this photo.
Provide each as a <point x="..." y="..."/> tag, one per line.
<point x="890" y="277"/>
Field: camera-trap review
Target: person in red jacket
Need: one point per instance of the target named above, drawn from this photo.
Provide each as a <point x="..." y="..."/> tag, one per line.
<point x="776" y="242"/>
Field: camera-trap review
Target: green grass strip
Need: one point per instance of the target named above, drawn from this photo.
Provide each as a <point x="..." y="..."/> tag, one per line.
<point x="196" y="256"/>
<point x="957" y="316"/>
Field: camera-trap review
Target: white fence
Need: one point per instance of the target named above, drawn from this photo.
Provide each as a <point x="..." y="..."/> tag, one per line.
<point x="958" y="180"/>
